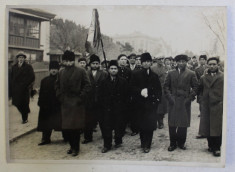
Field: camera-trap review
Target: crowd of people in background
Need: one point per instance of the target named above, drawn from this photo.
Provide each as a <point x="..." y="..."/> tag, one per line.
<point x="135" y="91"/>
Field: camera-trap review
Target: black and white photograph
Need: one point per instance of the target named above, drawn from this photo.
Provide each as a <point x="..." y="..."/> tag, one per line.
<point x="116" y="84"/>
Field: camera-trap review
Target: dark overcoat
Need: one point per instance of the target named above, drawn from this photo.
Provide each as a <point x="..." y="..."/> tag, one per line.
<point x="49" y="114"/>
<point x="146" y="107"/>
<point x="212" y="104"/>
<point x="180" y="89"/>
<point x="161" y="71"/>
<point x="125" y="72"/>
<point x="113" y="98"/>
<point x="22" y="78"/>
<point x="72" y="87"/>
<point x="93" y="107"/>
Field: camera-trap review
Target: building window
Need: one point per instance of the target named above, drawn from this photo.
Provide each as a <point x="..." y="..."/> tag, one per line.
<point x="32" y="28"/>
<point x="16" y="26"/>
<point x="24" y="31"/>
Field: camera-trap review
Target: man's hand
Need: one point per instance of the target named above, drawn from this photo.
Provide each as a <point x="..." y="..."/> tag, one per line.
<point x="144" y="92"/>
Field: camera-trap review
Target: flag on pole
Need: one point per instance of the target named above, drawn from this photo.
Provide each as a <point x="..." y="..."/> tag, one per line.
<point x="94" y="35"/>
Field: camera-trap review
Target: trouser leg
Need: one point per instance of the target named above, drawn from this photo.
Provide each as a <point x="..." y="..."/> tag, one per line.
<point x="209" y="140"/>
<point x="24" y="110"/>
<point x="149" y="137"/>
<point x="65" y="135"/>
<point x="76" y="140"/>
<point x="46" y="135"/>
<point x="142" y="138"/>
<point x="107" y="137"/>
<point x="215" y="142"/>
<point x="88" y="134"/>
<point x="118" y="135"/>
<point x="181" y="135"/>
<point x="173" y="136"/>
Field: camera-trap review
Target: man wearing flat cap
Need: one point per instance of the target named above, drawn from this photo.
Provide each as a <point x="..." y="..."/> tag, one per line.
<point x="22" y="79"/>
<point x="211" y="88"/>
<point x="93" y="111"/>
<point x="72" y="87"/>
<point x="180" y="89"/>
<point x="113" y="99"/>
<point x="49" y="117"/>
<point x="146" y="92"/>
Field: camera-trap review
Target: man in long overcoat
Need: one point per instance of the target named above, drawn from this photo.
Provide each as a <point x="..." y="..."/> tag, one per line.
<point x="22" y="76"/>
<point x="49" y="114"/>
<point x="113" y="98"/>
<point x="199" y="71"/>
<point x="211" y="86"/>
<point x="161" y="71"/>
<point x="180" y="89"/>
<point x="146" y="92"/>
<point x="73" y="86"/>
<point x="93" y="107"/>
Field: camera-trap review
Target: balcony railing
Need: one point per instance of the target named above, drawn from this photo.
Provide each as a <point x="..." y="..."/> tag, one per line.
<point x="24" y="41"/>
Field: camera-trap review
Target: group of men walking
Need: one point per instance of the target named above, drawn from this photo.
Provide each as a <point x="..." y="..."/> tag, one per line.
<point x="74" y="99"/>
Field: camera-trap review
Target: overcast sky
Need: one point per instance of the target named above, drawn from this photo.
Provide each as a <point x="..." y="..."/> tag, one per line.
<point x="183" y="28"/>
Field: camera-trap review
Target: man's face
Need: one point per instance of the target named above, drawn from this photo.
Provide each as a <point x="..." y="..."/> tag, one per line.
<point x="213" y="65"/>
<point x="54" y="71"/>
<point x="146" y="64"/>
<point x="122" y="61"/>
<point x="95" y="65"/>
<point x="181" y="64"/>
<point x="202" y="61"/>
<point x="160" y="61"/>
<point x="113" y="70"/>
<point x="138" y="61"/>
<point x="132" y="60"/>
<point x="69" y="63"/>
<point x="167" y="62"/>
<point x="21" y="59"/>
<point x="82" y="64"/>
<point x="194" y="59"/>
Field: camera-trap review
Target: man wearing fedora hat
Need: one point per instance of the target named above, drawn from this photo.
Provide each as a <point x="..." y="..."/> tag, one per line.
<point x="180" y="88"/>
<point x="22" y="76"/>
<point x="146" y="92"/>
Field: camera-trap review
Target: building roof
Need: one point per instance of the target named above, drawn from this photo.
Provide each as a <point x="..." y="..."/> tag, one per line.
<point x="36" y="13"/>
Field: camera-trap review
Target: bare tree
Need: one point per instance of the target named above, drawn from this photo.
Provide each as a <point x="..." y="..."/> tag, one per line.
<point x="217" y="27"/>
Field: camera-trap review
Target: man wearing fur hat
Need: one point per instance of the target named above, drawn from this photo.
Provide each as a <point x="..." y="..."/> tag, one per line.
<point x="49" y="114"/>
<point x="93" y="111"/>
<point x="146" y="92"/>
<point x="113" y="98"/>
<point x="180" y="89"/>
<point x="211" y="87"/>
<point x="73" y="85"/>
<point x="22" y="76"/>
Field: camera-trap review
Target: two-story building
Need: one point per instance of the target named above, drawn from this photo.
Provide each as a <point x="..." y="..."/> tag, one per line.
<point x="29" y="31"/>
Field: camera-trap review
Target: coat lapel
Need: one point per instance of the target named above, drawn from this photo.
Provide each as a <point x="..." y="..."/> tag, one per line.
<point x="98" y="73"/>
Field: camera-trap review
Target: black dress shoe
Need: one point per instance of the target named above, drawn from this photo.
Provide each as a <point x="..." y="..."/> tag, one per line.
<point x="161" y="126"/>
<point x="146" y="150"/>
<point x="118" y="145"/>
<point x="134" y="133"/>
<point x="104" y="150"/>
<point x="216" y="153"/>
<point x="171" y="148"/>
<point x="70" y="151"/>
<point x="182" y="147"/>
<point x="210" y="150"/>
<point x="75" y="153"/>
<point x="86" y="141"/>
<point x="44" y="143"/>
<point x="200" y="137"/>
<point x="25" y="121"/>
